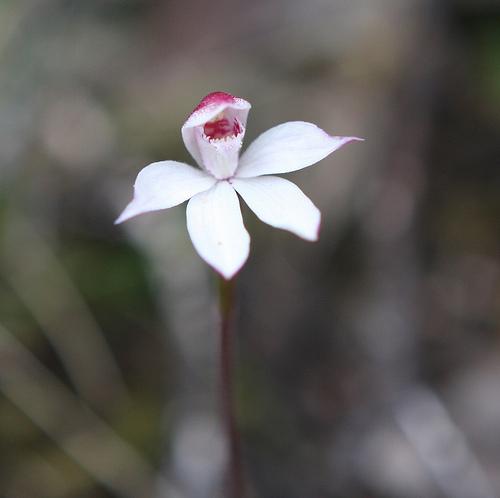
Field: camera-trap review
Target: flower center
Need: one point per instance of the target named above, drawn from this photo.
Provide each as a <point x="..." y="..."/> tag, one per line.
<point x="220" y="127"/>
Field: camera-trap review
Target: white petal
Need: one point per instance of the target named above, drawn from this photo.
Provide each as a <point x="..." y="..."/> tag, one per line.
<point x="288" y="147"/>
<point x="281" y="204"/>
<point x="209" y="107"/>
<point x="165" y="184"/>
<point x="216" y="228"/>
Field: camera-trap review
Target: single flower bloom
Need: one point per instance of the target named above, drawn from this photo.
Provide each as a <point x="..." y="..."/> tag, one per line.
<point x="213" y="134"/>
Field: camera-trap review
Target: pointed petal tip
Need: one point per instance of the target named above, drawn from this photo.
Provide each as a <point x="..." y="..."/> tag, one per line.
<point x="128" y="214"/>
<point x="222" y="269"/>
<point x="124" y="216"/>
<point x="318" y="230"/>
<point x="228" y="275"/>
<point x="346" y="140"/>
<point x="314" y="236"/>
<point x="132" y="211"/>
<point x="311" y="238"/>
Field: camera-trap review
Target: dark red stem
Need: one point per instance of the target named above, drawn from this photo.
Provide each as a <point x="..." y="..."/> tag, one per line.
<point x="235" y="469"/>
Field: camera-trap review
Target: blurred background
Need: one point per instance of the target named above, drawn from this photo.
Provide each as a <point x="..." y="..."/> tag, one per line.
<point x="368" y="363"/>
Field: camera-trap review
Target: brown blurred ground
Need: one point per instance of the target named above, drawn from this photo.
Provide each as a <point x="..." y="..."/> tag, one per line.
<point x="368" y="363"/>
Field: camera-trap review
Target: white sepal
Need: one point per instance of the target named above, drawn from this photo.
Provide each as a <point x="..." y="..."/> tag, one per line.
<point x="288" y="147"/>
<point x="216" y="228"/>
<point x="163" y="185"/>
<point x="281" y="204"/>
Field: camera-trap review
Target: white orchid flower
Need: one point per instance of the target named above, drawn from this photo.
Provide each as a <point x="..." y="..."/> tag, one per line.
<point x="213" y="134"/>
